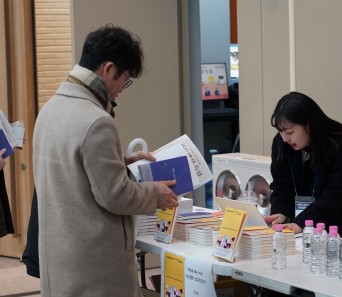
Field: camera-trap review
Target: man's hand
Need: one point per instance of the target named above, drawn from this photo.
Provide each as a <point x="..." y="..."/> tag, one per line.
<point x="136" y="156"/>
<point x="2" y="161"/>
<point x="167" y="198"/>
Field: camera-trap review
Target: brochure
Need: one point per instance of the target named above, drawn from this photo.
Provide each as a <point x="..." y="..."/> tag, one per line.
<point x="230" y="232"/>
<point x="182" y="146"/>
<point x="175" y="168"/>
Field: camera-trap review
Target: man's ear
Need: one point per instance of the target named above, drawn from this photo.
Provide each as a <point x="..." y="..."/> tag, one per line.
<point x="108" y="67"/>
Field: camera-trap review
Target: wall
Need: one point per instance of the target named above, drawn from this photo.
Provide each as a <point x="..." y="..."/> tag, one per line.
<point x="215" y="31"/>
<point x="152" y="107"/>
<point x="264" y="57"/>
<point x="53" y="46"/>
<point x="17" y="101"/>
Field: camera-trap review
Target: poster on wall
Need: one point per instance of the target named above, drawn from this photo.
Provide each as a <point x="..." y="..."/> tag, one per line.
<point x="214" y="81"/>
<point x="234" y="61"/>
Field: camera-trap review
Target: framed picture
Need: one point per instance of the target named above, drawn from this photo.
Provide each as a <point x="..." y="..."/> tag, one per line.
<point x="214" y="81"/>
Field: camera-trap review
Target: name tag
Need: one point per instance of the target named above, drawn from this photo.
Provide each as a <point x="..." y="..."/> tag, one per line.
<point x="302" y="202"/>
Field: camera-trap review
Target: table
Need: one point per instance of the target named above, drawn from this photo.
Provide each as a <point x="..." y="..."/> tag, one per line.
<point x="220" y="267"/>
<point x="296" y="276"/>
<point x="255" y="272"/>
<point x="221" y="113"/>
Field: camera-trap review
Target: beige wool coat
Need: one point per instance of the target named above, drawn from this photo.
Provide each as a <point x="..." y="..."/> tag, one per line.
<point x="85" y="200"/>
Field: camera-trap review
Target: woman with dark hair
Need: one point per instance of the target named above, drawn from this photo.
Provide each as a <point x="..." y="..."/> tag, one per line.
<point x="306" y="165"/>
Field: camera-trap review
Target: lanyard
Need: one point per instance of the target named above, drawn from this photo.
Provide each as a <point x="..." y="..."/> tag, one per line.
<point x="294" y="183"/>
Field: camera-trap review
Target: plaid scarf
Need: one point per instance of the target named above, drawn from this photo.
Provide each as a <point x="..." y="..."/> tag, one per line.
<point x="94" y="83"/>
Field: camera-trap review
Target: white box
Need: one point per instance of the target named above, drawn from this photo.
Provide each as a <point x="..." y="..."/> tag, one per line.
<point x="232" y="173"/>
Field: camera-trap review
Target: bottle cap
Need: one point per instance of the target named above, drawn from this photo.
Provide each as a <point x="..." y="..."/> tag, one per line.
<point x="278" y="227"/>
<point x="320" y="225"/>
<point x="308" y="222"/>
<point x="333" y="228"/>
<point x="333" y="233"/>
<point x="317" y="231"/>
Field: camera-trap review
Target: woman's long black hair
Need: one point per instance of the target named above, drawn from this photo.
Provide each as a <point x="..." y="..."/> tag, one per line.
<point x="325" y="134"/>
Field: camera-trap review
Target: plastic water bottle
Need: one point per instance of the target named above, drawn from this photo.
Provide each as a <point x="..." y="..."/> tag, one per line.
<point x="317" y="260"/>
<point x="278" y="248"/>
<point x="325" y="239"/>
<point x="333" y="249"/>
<point x="340" y="266"/>
<point x="307" y="234"/>
<point x="332" y="227"/>
<point x="324" y="232"/>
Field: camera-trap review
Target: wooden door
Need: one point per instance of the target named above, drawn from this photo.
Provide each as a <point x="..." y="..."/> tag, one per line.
<point x="17" y="100"/>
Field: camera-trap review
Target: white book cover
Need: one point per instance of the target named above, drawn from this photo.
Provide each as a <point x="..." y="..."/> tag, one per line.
<point x="14" y="132"/>
<point x="182" y="146"/>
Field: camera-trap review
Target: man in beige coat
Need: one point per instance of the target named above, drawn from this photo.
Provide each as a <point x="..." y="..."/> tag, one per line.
<point x="85" y="197"/>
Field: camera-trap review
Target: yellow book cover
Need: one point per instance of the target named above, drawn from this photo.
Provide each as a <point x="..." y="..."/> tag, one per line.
<point x="165" y="225"/>
<point x="173" y="275"/>
<point x="230" y="233"/>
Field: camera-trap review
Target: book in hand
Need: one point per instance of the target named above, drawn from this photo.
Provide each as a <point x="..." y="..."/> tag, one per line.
<point x="230" y="233"/>
<point x="182" y="146"/>
<point x="165" y="224"/>
<point x="8" y="139"/>
<point x="175" y="168"/>
<point x="4" y="143"/>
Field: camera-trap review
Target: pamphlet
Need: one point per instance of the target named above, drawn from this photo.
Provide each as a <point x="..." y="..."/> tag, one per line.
<point x="185" y="275"/>
<point x="182" y="146"/>
<point x="230" y="232"/>
<point x="8" y="140"/>
<point x="165" y="225"/>
<point x="175" y="168"/>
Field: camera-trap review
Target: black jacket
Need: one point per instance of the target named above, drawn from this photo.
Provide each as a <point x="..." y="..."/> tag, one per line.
<point x="327" y="207"/>
<point x="30" y="256"/>
<point x="6" y="225"/>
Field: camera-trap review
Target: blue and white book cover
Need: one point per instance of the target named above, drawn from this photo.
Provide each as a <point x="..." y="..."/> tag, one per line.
<point x="175" y="168"/>
<point x="4" y="143"/>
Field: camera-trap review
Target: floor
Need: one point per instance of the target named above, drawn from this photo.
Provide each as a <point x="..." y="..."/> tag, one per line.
<point x="14" y="282"/>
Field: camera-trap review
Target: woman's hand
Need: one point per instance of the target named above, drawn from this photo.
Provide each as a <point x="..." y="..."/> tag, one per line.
<point x="2" y="161"/>
<point x="136" y="156"/>
<point x="275" y="219"/>
<point x="294" y="227"/>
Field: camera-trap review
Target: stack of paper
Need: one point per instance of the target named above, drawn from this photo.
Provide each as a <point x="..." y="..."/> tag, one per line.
<point x="185" y="205"/>
<point x="202" y="235"/>
<point x="182" y="228"/>
<point x="256" y="243"/>
<point x="146" y="224"/>
<point x="199" y="217"/>
<point x="214" y="235"/>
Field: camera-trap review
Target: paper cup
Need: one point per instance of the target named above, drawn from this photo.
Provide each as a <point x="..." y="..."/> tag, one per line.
<point x="19" y="132"/>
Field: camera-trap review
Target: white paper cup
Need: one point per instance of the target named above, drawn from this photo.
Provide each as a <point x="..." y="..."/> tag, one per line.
<point x="19" y="132"/>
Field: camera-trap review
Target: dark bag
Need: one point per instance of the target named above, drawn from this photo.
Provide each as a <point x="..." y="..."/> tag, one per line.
<point x="6" y="225"/>
<point x="30" y="256"/>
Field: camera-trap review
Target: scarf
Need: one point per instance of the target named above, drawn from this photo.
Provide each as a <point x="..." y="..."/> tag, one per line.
<point x="94" y="83"/>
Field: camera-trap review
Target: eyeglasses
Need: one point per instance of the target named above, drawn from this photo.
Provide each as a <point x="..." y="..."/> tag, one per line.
<point x="128" y="81"/>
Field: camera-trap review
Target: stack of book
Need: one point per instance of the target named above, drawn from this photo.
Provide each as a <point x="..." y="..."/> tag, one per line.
<point x="202" y="235"/>
<point x="201" y="219"/>
<point x="185" y="205"/>
<point x="146" y="224"/>
<point x="256" y="243"/>
<point x="182" y="228"/>
<point x="214" y="236"/>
